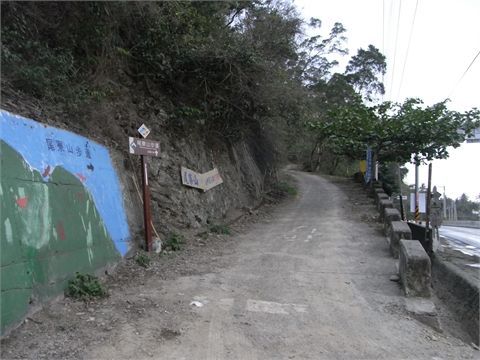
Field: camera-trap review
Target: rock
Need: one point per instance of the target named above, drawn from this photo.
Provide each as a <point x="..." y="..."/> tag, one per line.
<point x="395" y="278"/>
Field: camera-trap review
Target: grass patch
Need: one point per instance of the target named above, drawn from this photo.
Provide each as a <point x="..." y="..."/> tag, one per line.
<point x="286" y="188"/>
<point x="174" y="242"/>
<point x="85" y="286"/>
<point x="142" y="260"/>
<point x="220" y="229"/>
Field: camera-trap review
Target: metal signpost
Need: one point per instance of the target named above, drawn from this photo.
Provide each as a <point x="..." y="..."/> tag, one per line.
<point x="144" y="148"/>
<point x="428" y="233"/>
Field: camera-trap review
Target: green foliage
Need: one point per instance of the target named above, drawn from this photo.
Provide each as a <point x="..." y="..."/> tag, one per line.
<point x="142" y="260"/>
<point x="388" y="175"/>
<point x="396" y="132"/>
<point x="467" y="209"/>
<point x="235" y="69"/>
<point x="220" y="229"/>
<point x="286" y="188"/>
<point x="85" y="286"/>
<point x="174" y="242"/>
<point x="33" y="66"/>
<point x="365" y="69"/>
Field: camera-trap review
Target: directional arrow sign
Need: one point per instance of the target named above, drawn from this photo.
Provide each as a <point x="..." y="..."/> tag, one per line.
<point x="143" y="147"/>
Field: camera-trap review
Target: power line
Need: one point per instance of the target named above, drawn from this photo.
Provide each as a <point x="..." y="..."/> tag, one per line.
<point x="383" y="40"/>
<point x="463" y="75"/>
<point x="408" y="49"/>
<point x="396" y="43"/>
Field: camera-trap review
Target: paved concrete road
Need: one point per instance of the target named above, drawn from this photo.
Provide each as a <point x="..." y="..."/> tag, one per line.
<point x="464" y="239"/>
<point x="311" y="283"/>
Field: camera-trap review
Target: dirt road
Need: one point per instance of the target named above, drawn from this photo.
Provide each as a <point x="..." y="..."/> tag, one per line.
<point x="311" y="281"/>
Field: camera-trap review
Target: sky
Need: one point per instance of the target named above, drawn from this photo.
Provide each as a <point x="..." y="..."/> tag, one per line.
<point x="445" y="37"/>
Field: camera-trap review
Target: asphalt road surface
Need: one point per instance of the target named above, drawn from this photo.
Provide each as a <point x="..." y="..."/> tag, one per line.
<point x="310" y="283"/>
<point x="463" y="239"/>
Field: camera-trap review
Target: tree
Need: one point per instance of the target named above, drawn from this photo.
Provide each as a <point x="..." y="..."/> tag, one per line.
<point x="364" y="69"/>
<point x="466" y="209"/>
<point x="396" y="132"/>
<point x="313" y="64"/>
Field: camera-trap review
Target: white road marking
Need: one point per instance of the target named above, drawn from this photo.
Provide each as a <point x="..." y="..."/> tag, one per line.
<point x="313" y="230"/>
<point x="309" y="237"/>
<point x="266" y="307"/>
<point x="299" y="308"/>
<point x="271" y="307"/>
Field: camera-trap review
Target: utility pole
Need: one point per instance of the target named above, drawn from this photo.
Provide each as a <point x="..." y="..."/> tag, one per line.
<point x="402" y="210"/>
<point x="444" y="204"/>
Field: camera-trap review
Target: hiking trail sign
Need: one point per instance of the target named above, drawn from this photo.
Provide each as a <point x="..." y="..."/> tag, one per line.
<point x="144" y="147"/>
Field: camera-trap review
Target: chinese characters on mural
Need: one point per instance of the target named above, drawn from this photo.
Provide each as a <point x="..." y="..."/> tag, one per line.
<point x="66" y="148"/>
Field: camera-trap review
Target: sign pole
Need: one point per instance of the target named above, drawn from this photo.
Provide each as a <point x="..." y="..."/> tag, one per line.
<point x="147" y="214"/>
<point x="417" y="210"/>
<point x="402" y="210"/>
<point x="144" y="147"/>
<point x="428" y="234"/>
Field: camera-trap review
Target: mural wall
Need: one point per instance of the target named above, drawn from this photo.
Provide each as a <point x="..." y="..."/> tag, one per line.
<point x="61" y="212"/>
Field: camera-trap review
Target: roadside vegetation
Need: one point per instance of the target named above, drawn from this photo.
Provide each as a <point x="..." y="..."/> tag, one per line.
<point x="174" y="242"/>
<point x="220" y="229"/>
<point x="142" y="259"/>
<point x="235" y="70"/>
<point x="284" y="187"/>
<point x="85" y="287"/>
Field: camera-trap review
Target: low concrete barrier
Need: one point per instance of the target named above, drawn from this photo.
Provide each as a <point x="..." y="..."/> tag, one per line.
<point x="390" y="215"/>
<point x="460" y="292"/>
<point x="382" y="205"/>
<point x="415" y="269"/>
<point x="398" y="230"/>
<point x="379" y="197"/>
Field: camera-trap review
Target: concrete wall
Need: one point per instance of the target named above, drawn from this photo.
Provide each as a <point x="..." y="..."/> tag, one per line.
<point x="61" y="212"/>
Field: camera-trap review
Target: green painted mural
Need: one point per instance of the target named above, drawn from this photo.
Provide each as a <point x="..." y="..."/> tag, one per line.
<point x="49" y="230"/>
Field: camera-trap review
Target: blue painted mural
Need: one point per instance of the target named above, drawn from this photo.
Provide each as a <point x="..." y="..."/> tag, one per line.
<point x="45" y="148"/>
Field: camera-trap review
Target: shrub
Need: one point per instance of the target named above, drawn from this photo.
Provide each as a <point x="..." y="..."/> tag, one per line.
<point x="174" y="242"/>
<point x="286" y="188"/>
<point x="142" y="260"/>
<point x="85" y="286"/>
<point x="220" y="229"/>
